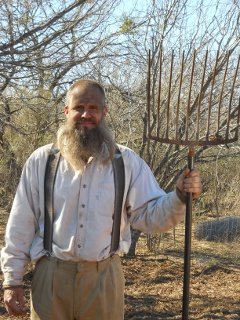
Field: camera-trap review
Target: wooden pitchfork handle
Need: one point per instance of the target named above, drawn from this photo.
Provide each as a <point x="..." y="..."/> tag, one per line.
<point x="188" y="237"/>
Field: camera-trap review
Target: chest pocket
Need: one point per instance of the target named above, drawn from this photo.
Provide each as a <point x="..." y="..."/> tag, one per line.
<point x="105" y="200"/>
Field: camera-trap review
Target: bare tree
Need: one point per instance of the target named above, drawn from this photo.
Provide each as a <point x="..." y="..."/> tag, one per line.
<point x="183" y="27"/>
<point x="45" y="45"/>
<point x="180" y="26"/>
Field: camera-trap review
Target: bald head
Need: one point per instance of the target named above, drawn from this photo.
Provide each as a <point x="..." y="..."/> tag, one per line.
<point x="86" y="85"/>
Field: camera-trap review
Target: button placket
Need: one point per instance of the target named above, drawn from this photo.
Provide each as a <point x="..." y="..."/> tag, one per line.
<point x="81" y="217"/>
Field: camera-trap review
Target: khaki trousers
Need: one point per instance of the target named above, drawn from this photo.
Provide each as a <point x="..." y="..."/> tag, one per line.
<point x="64" y="290"/>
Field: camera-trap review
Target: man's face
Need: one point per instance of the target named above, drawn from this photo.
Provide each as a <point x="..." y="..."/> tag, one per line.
<point x="85" y="107"/>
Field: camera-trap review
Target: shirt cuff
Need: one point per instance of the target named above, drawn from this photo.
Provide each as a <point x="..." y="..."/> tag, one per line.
<point x="11" y="287"/>
<point x="12" y="280"/>
<point x="180" y="195"/>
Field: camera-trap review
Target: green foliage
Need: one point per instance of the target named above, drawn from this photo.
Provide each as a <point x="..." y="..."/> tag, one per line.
<point x="128" y="26"/>
<point x="34" y="122"/>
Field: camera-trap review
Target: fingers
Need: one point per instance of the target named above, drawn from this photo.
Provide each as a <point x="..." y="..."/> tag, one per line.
<point x="192" y="183"/>
<point x="184" y="174"/>
<point x="14" y="301"/>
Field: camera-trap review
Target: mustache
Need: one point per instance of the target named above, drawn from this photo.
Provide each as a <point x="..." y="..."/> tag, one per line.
<point x="85" y="120"/>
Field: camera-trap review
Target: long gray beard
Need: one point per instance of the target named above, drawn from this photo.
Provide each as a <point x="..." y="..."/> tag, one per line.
<point x="78" y="145"/>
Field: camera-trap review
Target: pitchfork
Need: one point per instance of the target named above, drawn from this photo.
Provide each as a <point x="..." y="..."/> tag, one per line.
<point x="192" y="104"/>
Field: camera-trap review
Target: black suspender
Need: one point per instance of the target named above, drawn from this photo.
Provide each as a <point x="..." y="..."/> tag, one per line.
<point x="49" y="180"/>
<point x="50" y="175"/>
<point x="119" y="182"/>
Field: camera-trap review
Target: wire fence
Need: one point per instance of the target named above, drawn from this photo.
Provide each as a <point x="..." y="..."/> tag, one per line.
<point x="214" y="242"/>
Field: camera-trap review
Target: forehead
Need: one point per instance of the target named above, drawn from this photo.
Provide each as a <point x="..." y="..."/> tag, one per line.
<point x="86" y="95"/>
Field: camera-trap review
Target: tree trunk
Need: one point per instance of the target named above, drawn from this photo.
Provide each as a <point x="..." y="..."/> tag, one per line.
<point x="135" y="234"/>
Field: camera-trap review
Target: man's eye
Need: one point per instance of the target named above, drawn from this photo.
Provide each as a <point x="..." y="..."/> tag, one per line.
<point x="79" y="108"/>
<point x="94" y="109"/>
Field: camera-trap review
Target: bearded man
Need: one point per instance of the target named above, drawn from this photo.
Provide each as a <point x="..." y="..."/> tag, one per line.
<point x="81" y="278"/>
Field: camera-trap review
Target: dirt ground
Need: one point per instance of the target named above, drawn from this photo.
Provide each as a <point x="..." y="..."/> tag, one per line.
<point x="154" y="281"/>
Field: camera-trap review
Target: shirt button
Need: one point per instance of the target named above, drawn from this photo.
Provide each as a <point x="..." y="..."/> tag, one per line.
<point x="81" y="225"/>
<point x="79" y="246"/>
<point x="84" y="186"/>
<point x="83" y="205"/>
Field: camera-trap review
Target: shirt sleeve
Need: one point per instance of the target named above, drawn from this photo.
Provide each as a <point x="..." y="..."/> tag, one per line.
<point x="21" y="227"/>
<point x="149" y="208"/>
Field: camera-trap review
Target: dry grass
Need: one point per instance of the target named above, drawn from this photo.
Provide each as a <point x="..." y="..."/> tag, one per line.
<point x="155" y="282"/>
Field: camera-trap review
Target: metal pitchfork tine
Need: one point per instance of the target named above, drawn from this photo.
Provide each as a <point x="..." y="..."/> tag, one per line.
<point x="211" y="118"/>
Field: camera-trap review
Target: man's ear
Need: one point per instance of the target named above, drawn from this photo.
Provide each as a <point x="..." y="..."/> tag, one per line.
<point x="105" y="110"/>
<point x="66" y="110"/>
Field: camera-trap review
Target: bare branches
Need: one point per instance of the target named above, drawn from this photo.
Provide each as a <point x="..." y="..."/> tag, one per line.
<point x="40" y="27"/>
<point x="45" y="45"/>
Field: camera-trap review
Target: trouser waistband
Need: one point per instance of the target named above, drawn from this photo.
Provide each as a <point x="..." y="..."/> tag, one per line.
<point x="75" y="266"/>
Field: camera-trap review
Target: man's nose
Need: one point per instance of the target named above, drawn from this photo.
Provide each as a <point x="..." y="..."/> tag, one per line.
<point x="85" y="113"/>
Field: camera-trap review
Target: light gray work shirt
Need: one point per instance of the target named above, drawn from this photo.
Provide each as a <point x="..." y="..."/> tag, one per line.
<point x="83" y="211"/>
